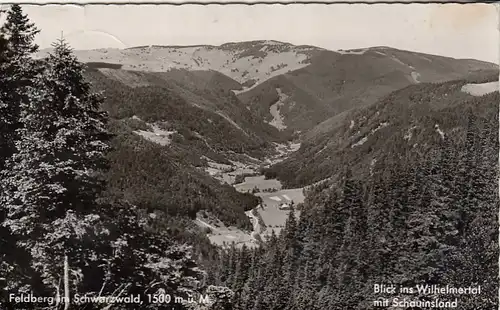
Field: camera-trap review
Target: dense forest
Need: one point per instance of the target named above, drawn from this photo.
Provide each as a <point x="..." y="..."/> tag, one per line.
<point x="420" y="219"/>
<point x="91" y="212"/>
<point x="405" y="118"/>
<point x="201" y="105"/>
<point x="69" y="238"/>
<point x="145" y="174"/>
<point x="168" y="180"/>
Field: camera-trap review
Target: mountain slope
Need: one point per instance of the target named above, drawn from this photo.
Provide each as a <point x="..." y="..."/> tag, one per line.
<point x="334" y="82"/>
<point x="292" y="87"/>
<point x="431" y="221"/>
<point x="199" y="126"/>
<point x="248" y="63"/>
<point x="414" y="118"/>
<point x="197" y="107"/>
<point x="157" y="178"/>
<point x="411" y="200"/>
<point x="170" y="127"/>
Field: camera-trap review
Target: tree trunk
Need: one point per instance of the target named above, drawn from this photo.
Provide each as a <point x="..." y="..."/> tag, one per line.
<point x="66" y="283"/>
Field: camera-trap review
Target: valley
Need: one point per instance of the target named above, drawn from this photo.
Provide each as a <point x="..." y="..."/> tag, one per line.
<point x="262" y="120"/>
<point x="250" y="175"/>
<point x="217" y="152"/>
<point x="269" y="215"/>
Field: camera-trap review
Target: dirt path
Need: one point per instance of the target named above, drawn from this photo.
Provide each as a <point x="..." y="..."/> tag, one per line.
<point x="270" y="214"/>
<point x="206" y="224"/>
<point x="255" y="222"/>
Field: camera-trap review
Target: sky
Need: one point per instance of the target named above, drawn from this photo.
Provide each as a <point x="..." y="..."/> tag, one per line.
<point x="455" y="30"/>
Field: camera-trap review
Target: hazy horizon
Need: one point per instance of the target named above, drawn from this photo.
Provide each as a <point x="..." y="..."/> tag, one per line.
<point x="196" y="45"/>
<point x="463" y="31"/>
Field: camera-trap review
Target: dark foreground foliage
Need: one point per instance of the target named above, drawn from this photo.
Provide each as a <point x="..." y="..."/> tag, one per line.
<point x="416" y="219"/>
<point x="66" y="231"/>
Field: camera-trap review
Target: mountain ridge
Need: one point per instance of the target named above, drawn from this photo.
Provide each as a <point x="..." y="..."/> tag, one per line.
<point x="420" y="113"/>
<point x="375" y="47"/>
<point x="195" y="119"/>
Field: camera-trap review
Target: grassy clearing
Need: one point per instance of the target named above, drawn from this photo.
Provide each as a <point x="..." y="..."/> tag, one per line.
<point x="268" y="216"/>
<point x="480" y="89"/>
<point x="272" y="216"/>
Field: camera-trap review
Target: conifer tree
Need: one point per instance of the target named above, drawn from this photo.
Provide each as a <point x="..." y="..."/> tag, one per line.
<point x="220" y="298"/>
<point x="16" y="73"/>
<point x="53" y="205"/>
<point x="255" y="279"/>
<point x="7" y="114"/>
<point x="17" y="68"/>
<point x="290" y="248"/>
<point x="242" y="268"/>
<point x="52" y="181"/>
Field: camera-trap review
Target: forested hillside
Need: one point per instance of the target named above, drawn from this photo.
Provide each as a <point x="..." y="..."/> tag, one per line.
<point x="419" y="218"/>
<point x="116" y="175"/>
<point x="164" y="177"/>
<point x="75" y="234"/>
<point x="415" y="117"/>
<point x="338" y="81"/>
<point x="155" y="178"/>
<point x="196" y="105"/>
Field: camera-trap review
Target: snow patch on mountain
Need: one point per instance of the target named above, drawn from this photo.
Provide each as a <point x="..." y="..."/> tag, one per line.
<point x="352" y="51"/>
<point x="274" y="109"/>
<point x="365" y="138"/>
<point x="245" y="61"/>
<point x="439" y="131"/>
<point x="156" y="135"/>
<point x="415" y="76"/>
<point x="480" y="89"/>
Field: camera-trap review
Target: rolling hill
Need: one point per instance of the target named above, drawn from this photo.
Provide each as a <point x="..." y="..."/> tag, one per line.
<point x="335" y="82"/>
<point x="169" y="128"/>
<point x="413" y="119"/>
<point x="190" y="119"/>
<point x="248" y="63"/>
<point x="293" y="88"/>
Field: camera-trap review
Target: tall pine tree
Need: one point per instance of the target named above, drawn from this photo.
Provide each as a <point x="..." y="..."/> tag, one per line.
<point x="52" y="181"/>
<point x="17" y="68"/>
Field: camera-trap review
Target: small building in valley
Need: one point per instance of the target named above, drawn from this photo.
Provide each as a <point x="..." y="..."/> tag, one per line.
<point x="284" y="206"/>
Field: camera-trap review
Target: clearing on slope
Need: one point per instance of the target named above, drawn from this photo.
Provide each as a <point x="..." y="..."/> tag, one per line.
<point x="408" y="121"/>
<point x="335" y="82"/>
<point x="480" y="89"/>
<point x="249" y="63"/>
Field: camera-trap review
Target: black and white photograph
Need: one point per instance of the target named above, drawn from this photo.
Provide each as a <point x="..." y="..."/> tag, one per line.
<point x="249" y="157"/>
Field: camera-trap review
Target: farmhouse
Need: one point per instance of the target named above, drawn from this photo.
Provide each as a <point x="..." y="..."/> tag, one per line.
<point x="284" y="206"/>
